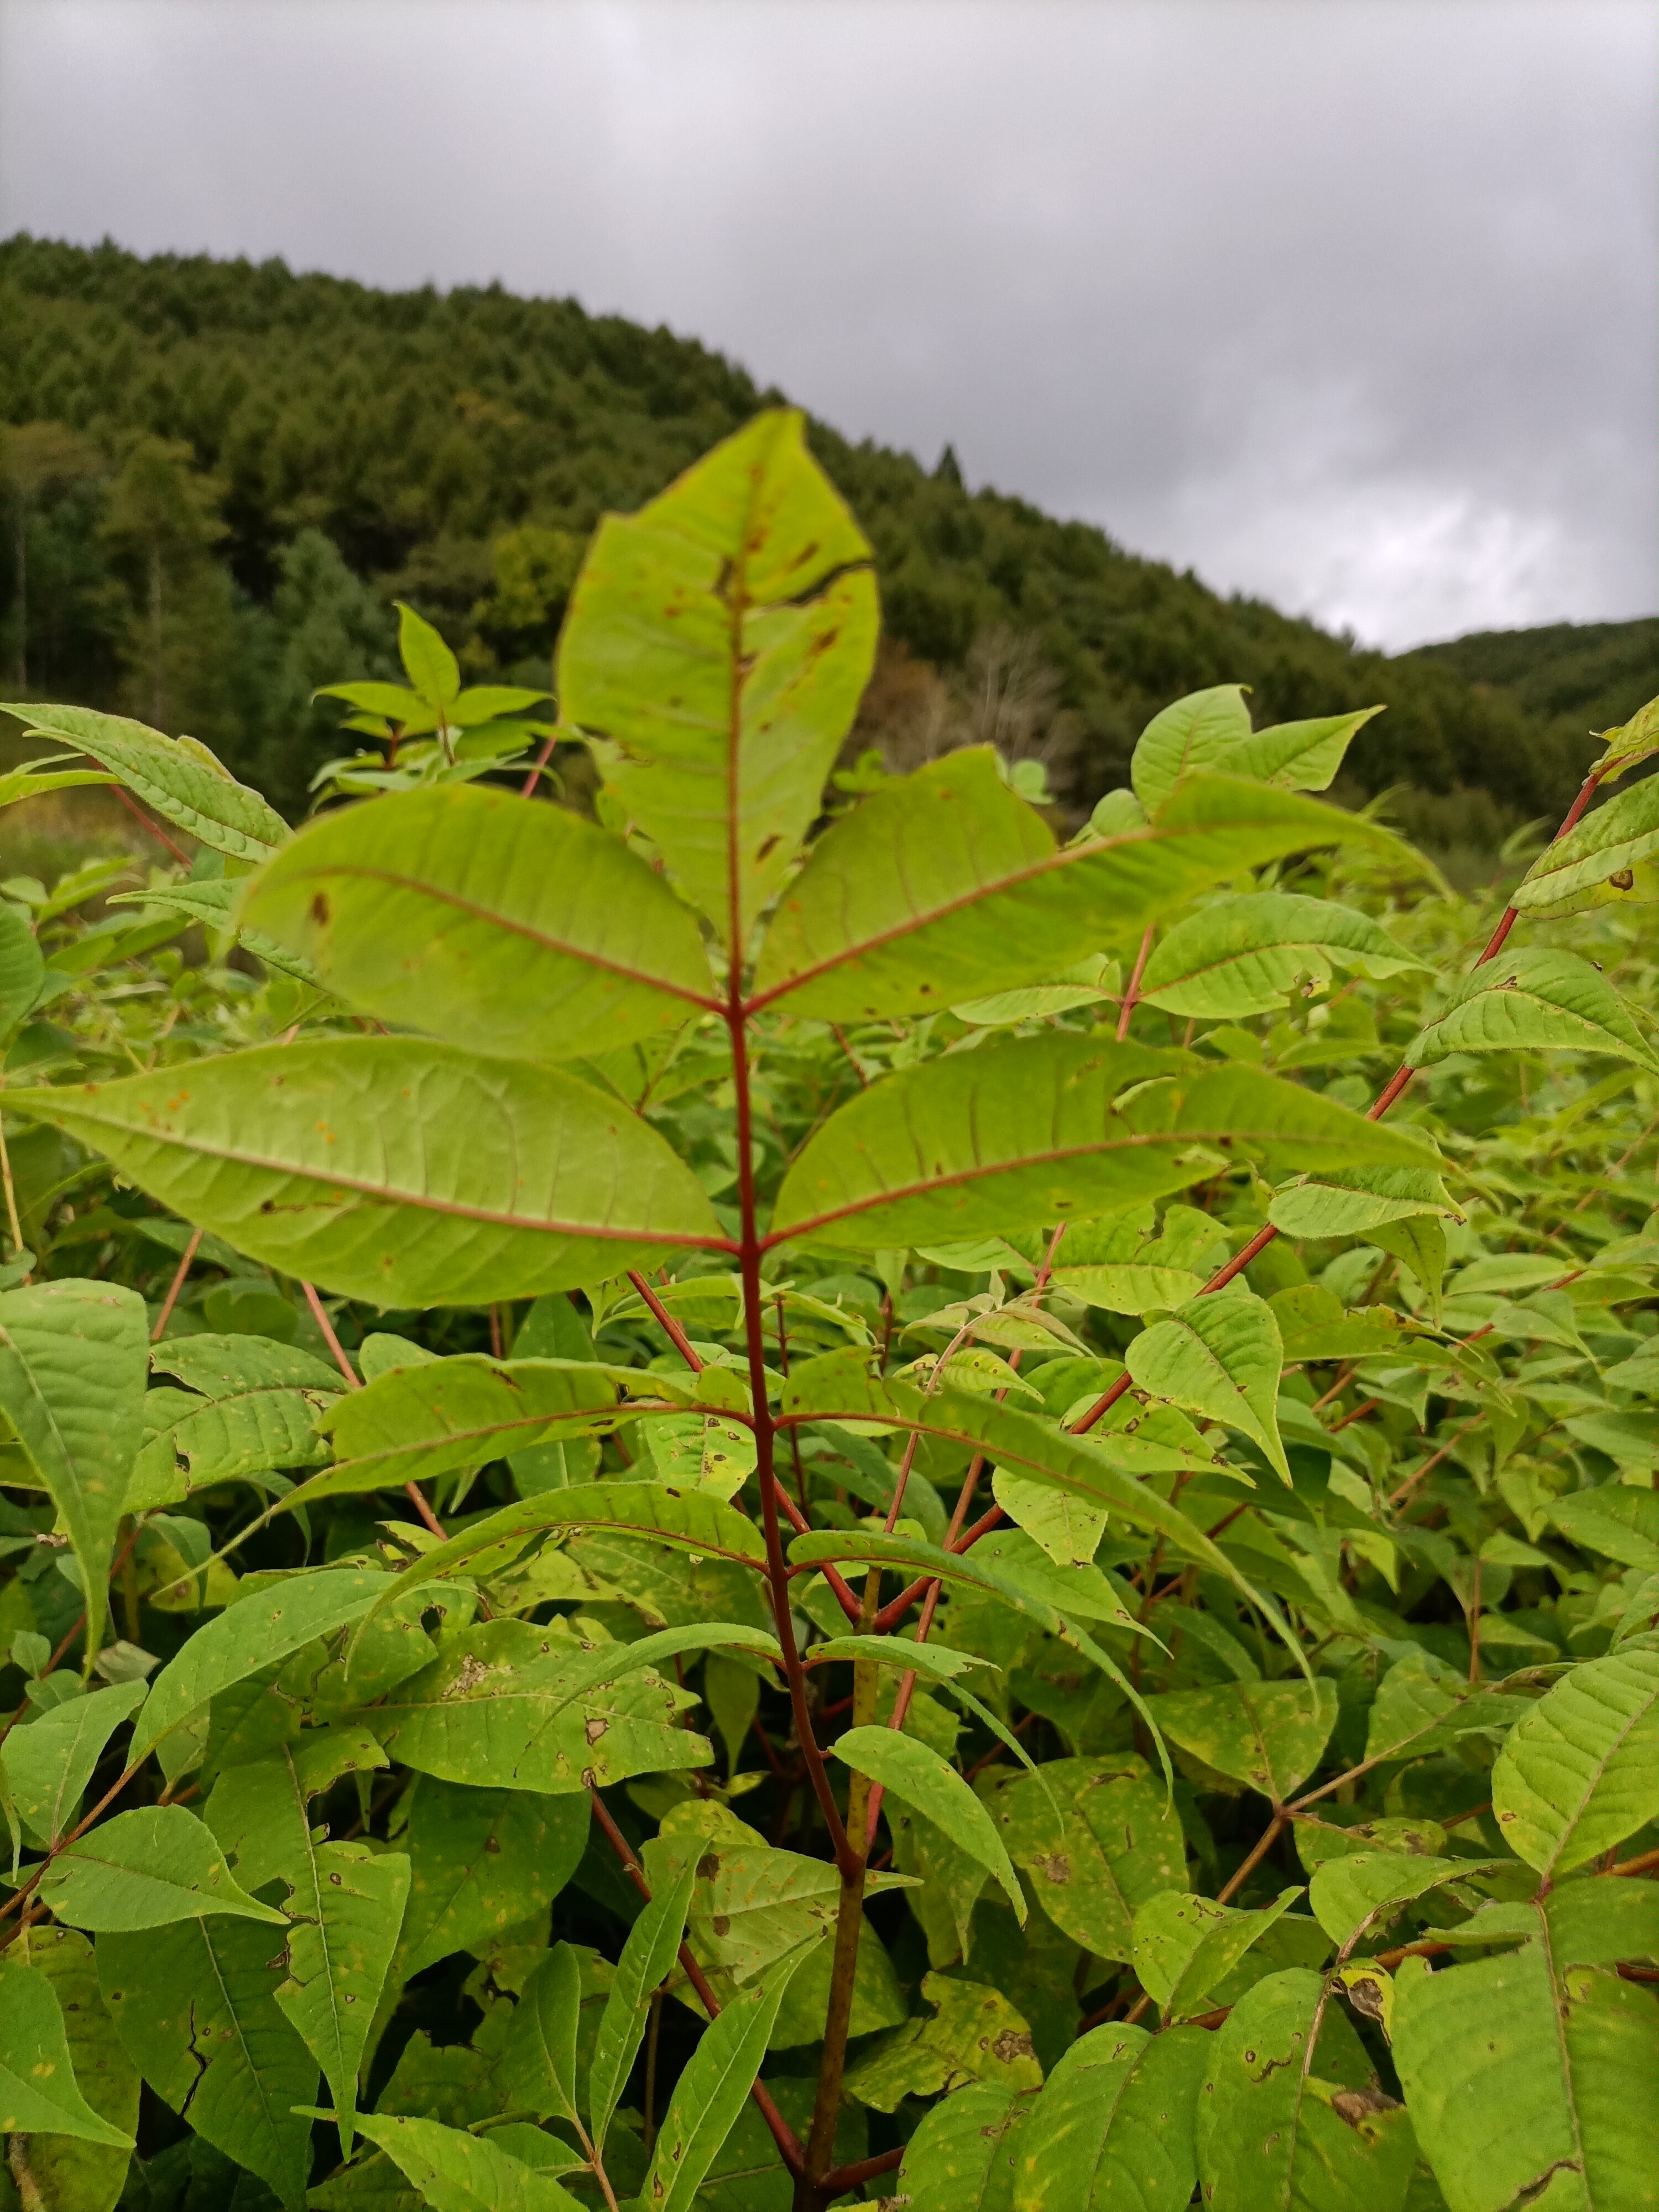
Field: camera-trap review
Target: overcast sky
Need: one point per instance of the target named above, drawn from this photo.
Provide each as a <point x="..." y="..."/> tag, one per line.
<point x="1353" y="304"/>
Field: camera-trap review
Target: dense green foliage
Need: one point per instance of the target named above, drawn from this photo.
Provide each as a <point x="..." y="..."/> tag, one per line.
<point x="240" y="454"/>
<point x="779" y="1489"/>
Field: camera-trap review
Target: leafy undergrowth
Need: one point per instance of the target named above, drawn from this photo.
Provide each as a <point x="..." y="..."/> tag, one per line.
<point x="795" y="1497"/>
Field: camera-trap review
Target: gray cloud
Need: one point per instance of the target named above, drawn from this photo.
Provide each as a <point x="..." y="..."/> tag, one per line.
<point x="1353" y="304"/>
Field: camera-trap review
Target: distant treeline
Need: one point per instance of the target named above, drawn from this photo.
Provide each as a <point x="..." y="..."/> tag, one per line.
<point x="218" y="476"/>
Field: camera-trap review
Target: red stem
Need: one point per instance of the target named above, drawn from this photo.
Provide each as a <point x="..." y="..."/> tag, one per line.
<point x="354" y="1382"/>
<point x="783" y="2135"/>
<point x="173" y="1289"/>
<point x="1131" y="996"/>
<point x="771" y="1489"/>
<point x="665" y="1321"/>
<point x="154" y="828"/>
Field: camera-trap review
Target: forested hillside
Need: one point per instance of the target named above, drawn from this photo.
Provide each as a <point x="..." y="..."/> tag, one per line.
<point x="219" y="476"/>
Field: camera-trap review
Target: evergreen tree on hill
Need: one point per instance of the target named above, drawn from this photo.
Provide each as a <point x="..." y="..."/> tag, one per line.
<point x="456" y="450"/>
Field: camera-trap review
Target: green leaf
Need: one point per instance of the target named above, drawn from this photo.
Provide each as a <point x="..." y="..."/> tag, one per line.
<point x="945" y="887"/>
<point x="1035" y="1131"/>
<point x="176" y="777"/>
<point x="455" y="2171"/>
<point x="1269" y="1735"/>
<point x="1357" y="1201"/>
<point x="918" y="1776"/>
<point x="1633" y="741"/>
<point x="1195" y="733"/>
<point x="1364" y="1889"/>
<point x="144" y="1870"/>
<point x="1313" y="1324"/>
<point x="259" y="1810"/>
<point x="536" y="2069"/>
<point x="22" y="970"/>
<point x="710" y="2092"/>
<point x="965" y="2151"/>
<point x="501" y="925"/>
<point x="1605" y="857"/>
<point x="398" y="1171"/>
<point x="49" y="1762"/>
<point x="71" y="2170"/>
<point x="1288" y="2124"/>
<point x="415" y="1422"/>
<point x="72" y="1363"/>
<point x="1220" y="1357"/>
<point x="1113" y="2125"/>
<point x="1299" y="755"/>
<point x="195" y="2007"/>
<point x="1185" y="1946"/>
<point x="509" y="1702"/>
<point x="250" y="1635"/>
<point x="430" y="667"/>
<point x="250" y="1406"/>
<point x="347" y="1907"/>
<point x="20" y="784"/>
<point x="1244" y="956"/>
<point x="1524" y="2073"/>
<point x="1537" y="1000"/>
<point x="714" y="649"/>
<point x="698" y="1523"/>
<point x="391" y="703"/>
<point x="1095" y="1839"/>
<point x="482" y="1861"/>
<point x="648" y="1959"/>
<point x="1580" y="1771"/>
<point x="751" y="1904"/>
<point x="38" y="2094"/>
<point x="1122" y="1267"/>
<point x="974" y="2034"/>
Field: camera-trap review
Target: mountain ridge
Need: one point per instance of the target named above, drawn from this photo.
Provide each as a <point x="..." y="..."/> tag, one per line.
<point x="331" y="444"/>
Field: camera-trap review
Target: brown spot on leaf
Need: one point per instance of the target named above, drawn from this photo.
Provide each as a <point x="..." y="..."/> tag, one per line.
<point x="1623" y="879"/>
<point x="319" y="910"/>
<point x="1012" y="2045"/>
<point x="722" y="1925"/>
<point x="709" y="1866"/>
<point x="1354" y="2105"/>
